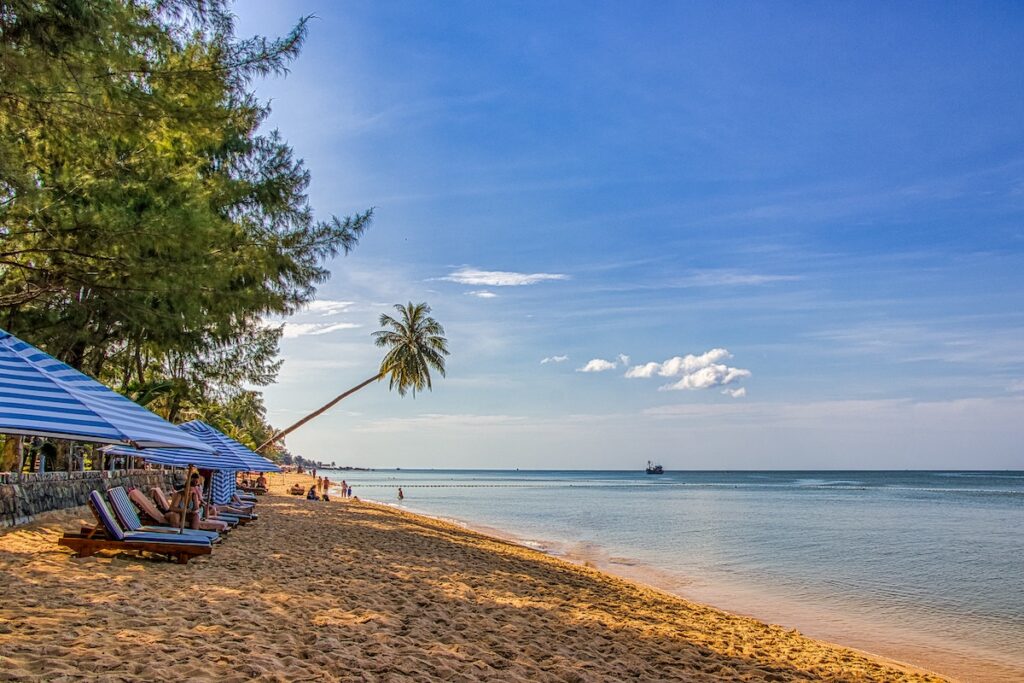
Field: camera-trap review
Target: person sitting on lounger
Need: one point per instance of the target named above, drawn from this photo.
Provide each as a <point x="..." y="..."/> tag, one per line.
<point x="261" y="482"/>
<point x="297" y="490"/>
<point x="193" y="505"/>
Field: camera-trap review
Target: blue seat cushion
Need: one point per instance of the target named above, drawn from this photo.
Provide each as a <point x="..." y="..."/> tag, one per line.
<point x="152" y="537"/>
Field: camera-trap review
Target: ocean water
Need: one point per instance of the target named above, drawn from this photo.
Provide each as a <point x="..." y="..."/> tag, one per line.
<point x="923" y="567"/>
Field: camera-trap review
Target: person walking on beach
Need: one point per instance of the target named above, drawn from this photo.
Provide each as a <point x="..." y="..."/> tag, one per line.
<point x="344" y="489"/>
<point x="327" y="484"/>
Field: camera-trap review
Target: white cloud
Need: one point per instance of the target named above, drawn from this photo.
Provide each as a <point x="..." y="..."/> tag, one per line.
<point x="735" y="393"/>
<point x="679" y="365"/>
<point x="695" y="372"/>
<point x="499" y="278"/>
<point x="597" y="365"/>
<point x="554" y="359"/>
<point x="602" y="365"/>
<point x="482" y="294"/>
<point x="326" y="307"/>
<point x="292" y="330"/>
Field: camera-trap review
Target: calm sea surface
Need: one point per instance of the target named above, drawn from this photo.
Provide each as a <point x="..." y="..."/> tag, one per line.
<point x="924" y="567"/>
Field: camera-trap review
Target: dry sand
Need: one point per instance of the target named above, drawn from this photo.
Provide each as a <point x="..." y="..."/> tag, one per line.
<point x="354" y="591"/>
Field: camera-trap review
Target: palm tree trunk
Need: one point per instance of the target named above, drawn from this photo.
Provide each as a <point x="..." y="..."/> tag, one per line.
<point x="319" y="411"/>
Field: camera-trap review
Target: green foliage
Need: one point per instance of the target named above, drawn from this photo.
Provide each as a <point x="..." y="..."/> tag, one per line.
<point x="415" y="346"/>
<point x="147" y="224"/>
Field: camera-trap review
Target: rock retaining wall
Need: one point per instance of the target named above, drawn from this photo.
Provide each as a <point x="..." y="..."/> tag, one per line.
<point x="22" y="496"/>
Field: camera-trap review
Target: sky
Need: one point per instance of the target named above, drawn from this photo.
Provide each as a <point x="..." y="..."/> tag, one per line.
<point x="714" y="235"/>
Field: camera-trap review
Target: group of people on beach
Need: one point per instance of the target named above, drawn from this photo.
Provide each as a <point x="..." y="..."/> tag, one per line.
<point x="257" y="485"/>
<point x="320" y="490"/>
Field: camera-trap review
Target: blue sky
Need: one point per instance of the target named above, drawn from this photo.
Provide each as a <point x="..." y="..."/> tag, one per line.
<point x="778" y="235"/>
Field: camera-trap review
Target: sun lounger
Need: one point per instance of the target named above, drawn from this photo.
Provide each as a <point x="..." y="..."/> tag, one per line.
<point x="129" y="518"/>
<point x="180" y="548"/>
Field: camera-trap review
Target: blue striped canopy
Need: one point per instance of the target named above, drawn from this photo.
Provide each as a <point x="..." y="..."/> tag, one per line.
<point x="40" y="396"/>
<point x="182" y="457"/>
<point x="220" y="442"/>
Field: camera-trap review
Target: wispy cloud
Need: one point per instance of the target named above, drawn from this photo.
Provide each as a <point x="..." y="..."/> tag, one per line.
<point x="602" y="365"/>
<point x="984" y="340"/>
<point x="554" y="359"/>
<point x="292" y="330"/>
<point x="597" y="365"/>
<point x="328" y="307"/>
<point x="733" y="278"/>
<point x="735" y="393"/>
<point x="482" y="294"/>
<point x="695" y="372"/>
<point x="499" y="278"/>
<point x="441" y="421"/>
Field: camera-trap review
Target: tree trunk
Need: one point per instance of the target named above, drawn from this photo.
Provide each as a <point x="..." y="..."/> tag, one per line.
<point x="10" y="457"/>
<point x="319" y="411"/>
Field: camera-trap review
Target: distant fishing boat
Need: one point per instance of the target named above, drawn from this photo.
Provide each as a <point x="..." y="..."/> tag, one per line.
<point x="654" y="469"/>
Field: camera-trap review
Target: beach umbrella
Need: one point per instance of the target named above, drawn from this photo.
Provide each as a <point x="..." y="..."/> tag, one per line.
<point x="222" y="461"/>
<point x="40" y="396"/>
<point x="221" y="443"/>
<point x="182" y="457"/>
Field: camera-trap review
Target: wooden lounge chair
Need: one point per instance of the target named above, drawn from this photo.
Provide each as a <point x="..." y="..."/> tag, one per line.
<point x="174" y="547"/>
<point x="129" y="518"/>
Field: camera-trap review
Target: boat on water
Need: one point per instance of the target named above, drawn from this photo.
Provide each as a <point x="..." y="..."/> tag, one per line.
<point x="654" y="469"/>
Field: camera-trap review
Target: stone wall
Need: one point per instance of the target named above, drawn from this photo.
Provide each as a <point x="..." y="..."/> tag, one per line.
<point x="22" y="496"/>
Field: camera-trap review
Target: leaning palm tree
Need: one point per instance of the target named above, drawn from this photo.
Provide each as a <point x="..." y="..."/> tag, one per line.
<point x="415" y="346"/>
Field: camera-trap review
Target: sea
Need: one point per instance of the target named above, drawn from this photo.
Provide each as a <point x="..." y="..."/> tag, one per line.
<point x="925" y="568"/>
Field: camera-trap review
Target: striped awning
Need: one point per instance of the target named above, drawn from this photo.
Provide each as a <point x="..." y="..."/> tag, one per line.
<point x="182" y="457"/>
<point x="40" y="396"/>
<point x="222" y="443"/>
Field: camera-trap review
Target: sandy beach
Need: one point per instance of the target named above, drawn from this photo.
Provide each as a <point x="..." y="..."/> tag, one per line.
<point x="358" y="591"/>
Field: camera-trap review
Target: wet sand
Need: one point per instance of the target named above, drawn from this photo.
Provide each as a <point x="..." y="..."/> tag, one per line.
<point x="357" y="591"/>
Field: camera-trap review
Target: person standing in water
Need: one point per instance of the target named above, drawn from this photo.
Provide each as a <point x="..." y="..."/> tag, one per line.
<point x="401" y="496"/>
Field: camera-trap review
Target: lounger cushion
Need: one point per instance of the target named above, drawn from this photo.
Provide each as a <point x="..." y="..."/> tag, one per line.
<point x="152" y="537"/>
